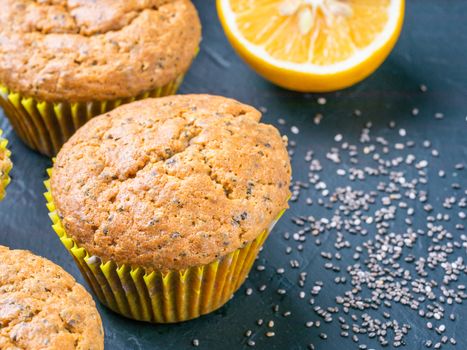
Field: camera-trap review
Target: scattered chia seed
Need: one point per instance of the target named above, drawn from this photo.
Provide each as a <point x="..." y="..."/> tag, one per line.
<point x="251" y="343"/>
<point x="317" y="118"/>
<point x="321" y="100"/>
<point x="338" y="138"/>
<point x="384" y="233"/>
<point x="294" y="130"/>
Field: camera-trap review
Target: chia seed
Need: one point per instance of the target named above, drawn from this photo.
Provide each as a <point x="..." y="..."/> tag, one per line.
<point x="321" y="100"/>
<point x="251" y="343"/>
<point x="378" y="209"/>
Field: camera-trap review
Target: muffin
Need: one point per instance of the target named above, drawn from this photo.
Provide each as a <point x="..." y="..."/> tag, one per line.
<point x="5" y="165"/>
<point x="164" y="203"/>
<point x="43" y="307"/>
<point x="62" y="62"/>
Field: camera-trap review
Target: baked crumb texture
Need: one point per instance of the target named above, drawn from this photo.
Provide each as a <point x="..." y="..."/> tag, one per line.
<point x="95" y="50"/>
<point x="63" y="62"/>
<point x="42" y="306"/>
<point x="171" y="200"/>
<point x="171" y="183"/>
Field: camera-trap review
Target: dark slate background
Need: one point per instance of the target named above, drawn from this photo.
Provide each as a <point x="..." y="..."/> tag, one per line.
<point x="432" y="50"/>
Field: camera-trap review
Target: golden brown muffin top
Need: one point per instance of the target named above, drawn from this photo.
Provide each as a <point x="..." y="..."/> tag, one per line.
<point x="43" y="307"/>
<point x="81" y="50"/>
<point x="171" y="183"/>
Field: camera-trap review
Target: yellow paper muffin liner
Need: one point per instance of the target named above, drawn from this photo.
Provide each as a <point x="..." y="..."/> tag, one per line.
<point x="45" y="126"/>
<point x="4" y="173"/>
<point x="155" y="296"/>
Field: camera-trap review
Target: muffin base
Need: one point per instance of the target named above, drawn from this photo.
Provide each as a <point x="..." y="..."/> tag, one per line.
<point x="45" y="126"/>
<point x="4" y="173"/>
<point x="155" y="296"/>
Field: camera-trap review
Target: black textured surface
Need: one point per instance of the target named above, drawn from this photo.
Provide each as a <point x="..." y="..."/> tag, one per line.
<point x="431" y="51"/>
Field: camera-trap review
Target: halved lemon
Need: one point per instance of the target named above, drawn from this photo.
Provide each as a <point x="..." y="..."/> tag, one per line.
<point x="312" y="45"/>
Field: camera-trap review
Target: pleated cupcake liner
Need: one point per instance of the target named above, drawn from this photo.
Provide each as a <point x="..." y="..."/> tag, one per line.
<point x="45" y="126"/>
<point x="4" y="173"/>
<point x="156" y="296"/>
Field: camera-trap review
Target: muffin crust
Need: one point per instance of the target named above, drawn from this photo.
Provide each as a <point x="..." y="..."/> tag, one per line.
<point x="80" y="50"/>
<point x="171" y="183"/>
<point x="42" y="306"/>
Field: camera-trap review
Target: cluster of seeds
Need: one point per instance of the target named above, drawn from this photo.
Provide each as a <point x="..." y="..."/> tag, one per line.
<point x="393" y="243"/>
<point x="396" y="240"/>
